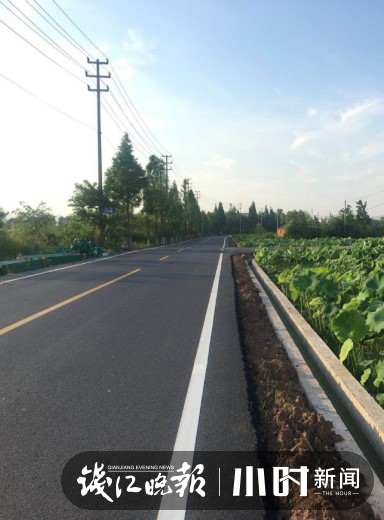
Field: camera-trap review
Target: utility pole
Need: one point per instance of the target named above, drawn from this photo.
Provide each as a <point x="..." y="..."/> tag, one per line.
<point x="240" y="204"/>
<point x="167" y="168"/>
<point x="98" y="89"/>
<point x="345" y="214"/>
<point x="198" y="195"/>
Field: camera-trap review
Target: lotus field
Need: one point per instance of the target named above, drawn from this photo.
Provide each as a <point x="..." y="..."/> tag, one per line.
<point x="338" y="286"/>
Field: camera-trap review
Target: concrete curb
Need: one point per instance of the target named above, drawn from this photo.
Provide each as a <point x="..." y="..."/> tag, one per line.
<point x="311" y="387"/>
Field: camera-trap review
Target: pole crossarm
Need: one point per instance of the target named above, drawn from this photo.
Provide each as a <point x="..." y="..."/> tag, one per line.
<point x="98" y="90"/>
<point x="167" y="167"/>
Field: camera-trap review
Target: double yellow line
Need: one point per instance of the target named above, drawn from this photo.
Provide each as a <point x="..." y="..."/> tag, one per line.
<point x="64" y="302"/>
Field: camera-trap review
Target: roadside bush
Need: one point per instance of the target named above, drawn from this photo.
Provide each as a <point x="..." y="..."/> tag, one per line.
<point x="9" y="248"/>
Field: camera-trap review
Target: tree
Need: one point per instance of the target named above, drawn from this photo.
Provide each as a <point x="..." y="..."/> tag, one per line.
<point x="219" y="219"/>
<point x="34" y="228"/>
<point x="232" y="221"/>
<point x="299" y="224"/>
<point x="264" y="218"/>
<point x="280" y="217"/>
<point x="193" y="214"/>
<point x="175" y="211"/>
<point x="252" y="217"/>
<point x="348" y="219"/>
<point x="124" y="184"/>
<point x="156" y="194"/>
<point x="86" y="202"/>
<point x="362" y="216"/>
<point x="3" y="216"/>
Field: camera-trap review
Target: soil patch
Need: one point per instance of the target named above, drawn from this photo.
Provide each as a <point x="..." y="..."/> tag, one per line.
<point x="283" y="418"/>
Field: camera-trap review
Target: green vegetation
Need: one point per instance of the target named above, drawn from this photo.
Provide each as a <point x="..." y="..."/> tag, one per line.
<point x="338" y="286"/>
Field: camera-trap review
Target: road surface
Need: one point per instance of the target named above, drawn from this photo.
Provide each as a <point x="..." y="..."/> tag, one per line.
<point x="99" y="357"/>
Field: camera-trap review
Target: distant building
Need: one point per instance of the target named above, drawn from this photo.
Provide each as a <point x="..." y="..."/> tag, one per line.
<point x="281" y="231"/>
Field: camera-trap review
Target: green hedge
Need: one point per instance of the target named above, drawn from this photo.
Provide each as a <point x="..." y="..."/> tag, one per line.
<point x="36" y="262"/>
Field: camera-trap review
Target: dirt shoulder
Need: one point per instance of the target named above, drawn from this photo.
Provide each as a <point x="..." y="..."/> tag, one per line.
<point x="283" y="419"/>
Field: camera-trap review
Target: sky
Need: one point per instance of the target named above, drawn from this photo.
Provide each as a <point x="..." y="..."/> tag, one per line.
<point x="280" y="102"/>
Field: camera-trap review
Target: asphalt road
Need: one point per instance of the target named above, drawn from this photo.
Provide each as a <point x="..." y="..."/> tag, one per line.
<point x="99" y="356"/>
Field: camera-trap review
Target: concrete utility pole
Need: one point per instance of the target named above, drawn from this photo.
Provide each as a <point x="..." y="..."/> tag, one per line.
<point x="198" y="195"/>
<point x="167" y="168"/>
<point x="98" y="89"/>
<point x="240" y="204"/>
<point x="345" y="214"/>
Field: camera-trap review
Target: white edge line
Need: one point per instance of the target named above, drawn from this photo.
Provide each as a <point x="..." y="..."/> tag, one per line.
<point x="189" y="422"/>
<point x="85" y="263"/>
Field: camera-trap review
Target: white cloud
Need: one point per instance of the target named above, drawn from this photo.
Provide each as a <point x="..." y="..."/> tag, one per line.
<point x="301" y="139"/>
<point x="368" y="108"/>
<point x="139" y="50"/>
<point x="224" y="163"/>
<point x="311" y="112"/>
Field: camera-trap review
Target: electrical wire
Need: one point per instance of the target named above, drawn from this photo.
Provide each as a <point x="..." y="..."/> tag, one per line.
<point x="120" y="125"/>
<point x="43" y="35"/>
<point x="136" y="113"/>
<point x="377" y="205"/>
<point x="143" y="124"/>
<point x="43" y="53"/>
<point x="145" y="143"/>
<point x="45" y="102"/>
<point x="70" y="39"/>
<point x="78" y="28"/>
<point x="143" y="139"/>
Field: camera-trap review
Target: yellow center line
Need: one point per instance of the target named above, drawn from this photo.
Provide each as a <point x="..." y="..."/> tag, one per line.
<point x="163" y="258"/>
<point x="64" y="302"/>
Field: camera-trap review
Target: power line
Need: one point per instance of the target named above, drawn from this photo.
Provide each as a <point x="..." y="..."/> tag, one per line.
<point x="138" y="117"/>
<point x="43" y="53"/>
<point x="364" y="197"/>
<point x="78" y="28"/>
<point x="43" y="34"/>
<point x="150" y="137"/>
<point x="143" y="136"/>
<point x="120" y="126"/>
<point x="145" y="142"/>
<point x="70" y="39"/>
<point x="368" y="196"/>
<point x="46" y="103"/>
<point x="377" y="205"/>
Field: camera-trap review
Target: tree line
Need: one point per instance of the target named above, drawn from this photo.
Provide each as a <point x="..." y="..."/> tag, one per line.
<point x="139" y="206"/>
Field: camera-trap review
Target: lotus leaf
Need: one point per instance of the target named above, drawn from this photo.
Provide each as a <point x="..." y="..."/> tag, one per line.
<point x="365" y="376"/>
<point x="302" y="282"/>
<point x="352" y="305"/>
<point x="327" y="287"/>
<point x="366" y="363"/>
<point x="345" y="349"/>
<point x="329" y="310"/>
<point x="379" y="374"/>
<point x="349" y="324"/>
<point x="373" y="306"/>
<point x="375" y="284"/>
<point x="375" y="320"/>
